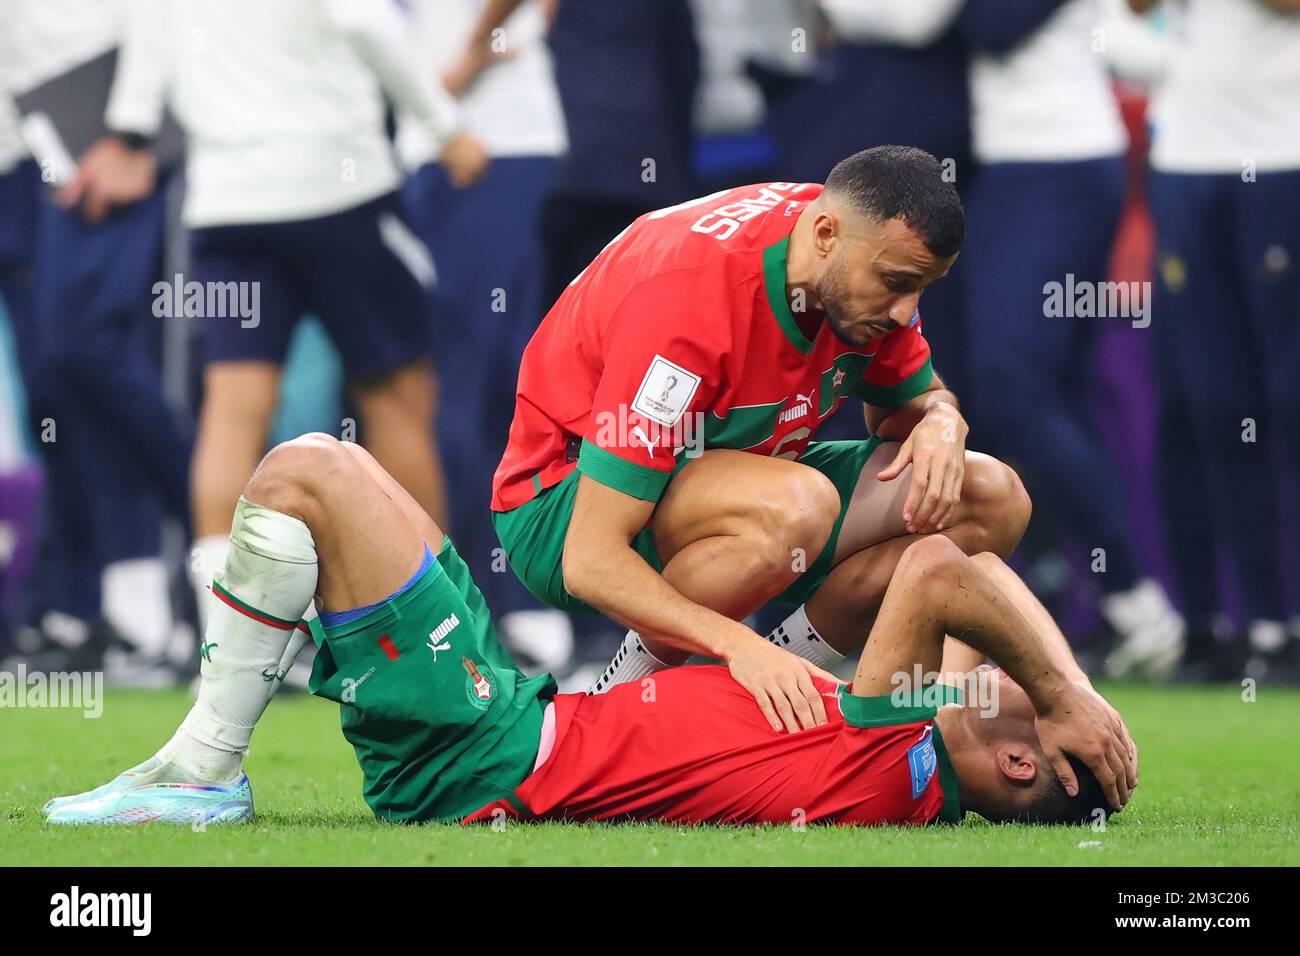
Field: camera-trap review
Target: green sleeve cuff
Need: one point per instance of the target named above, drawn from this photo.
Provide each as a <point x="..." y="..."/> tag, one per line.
<point x="894" y="396"/>
<point x="620" y="474"/>
<point x="899" y="707"/>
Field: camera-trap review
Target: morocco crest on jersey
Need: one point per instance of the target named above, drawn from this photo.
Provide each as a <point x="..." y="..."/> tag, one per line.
<point x="478" y="686"/>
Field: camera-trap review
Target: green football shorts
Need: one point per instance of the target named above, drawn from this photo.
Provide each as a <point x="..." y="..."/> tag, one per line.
<point x="532" y="535"/>
<point x="442" y="721"/>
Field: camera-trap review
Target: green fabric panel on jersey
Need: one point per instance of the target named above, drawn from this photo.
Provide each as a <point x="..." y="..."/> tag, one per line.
<point x="439" y="733"/>
<point x="532" y="537"/>
<point x="620" y="474"/>
<point x="774" y="286"/>
<point x="853" y="366"/>
<point x="894" y="396"/>
<point x="743" y="427"/>
<point x="887" y="710"/>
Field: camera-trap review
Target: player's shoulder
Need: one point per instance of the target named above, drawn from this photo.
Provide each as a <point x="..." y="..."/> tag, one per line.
<point x="728" y="221"/>
<point x="694" y="264"/>
<point x="707" y="232"/>
<point x="713" y="243"/>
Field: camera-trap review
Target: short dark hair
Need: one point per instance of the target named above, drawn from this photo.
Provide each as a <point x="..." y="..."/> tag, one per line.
<point x="1051" y="804"/>
<point x="903" y="182"/>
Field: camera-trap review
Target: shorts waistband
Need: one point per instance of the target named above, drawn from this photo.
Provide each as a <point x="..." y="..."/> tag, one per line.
<point x="338" y="618"/>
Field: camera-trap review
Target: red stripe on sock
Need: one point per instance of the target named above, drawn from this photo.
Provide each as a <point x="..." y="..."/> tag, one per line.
<point x="386" y="644"/>
<point x="278" y="625"/>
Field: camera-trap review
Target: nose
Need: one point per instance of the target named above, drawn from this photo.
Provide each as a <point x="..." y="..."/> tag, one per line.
<point x="904" y="309"/>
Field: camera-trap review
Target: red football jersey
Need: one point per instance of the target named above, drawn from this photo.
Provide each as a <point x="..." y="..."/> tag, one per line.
<point x="679" y="337"/>
<point x="691" y="746"/>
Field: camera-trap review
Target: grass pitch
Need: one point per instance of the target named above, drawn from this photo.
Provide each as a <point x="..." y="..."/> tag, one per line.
<point x="1220" y="785"/>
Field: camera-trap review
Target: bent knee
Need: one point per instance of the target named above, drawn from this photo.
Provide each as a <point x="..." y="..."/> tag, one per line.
<point x="934" y="562"/>
<point x="995" y="495"/>
<point x="987" y="561"/>
<point x="312" y="448"/>
<point x="800" y="512"/>
<point x="296" y="471"/>
<point x="783" y="526"/>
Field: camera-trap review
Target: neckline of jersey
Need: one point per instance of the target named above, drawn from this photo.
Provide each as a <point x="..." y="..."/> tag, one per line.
<point x="774" y="257"/>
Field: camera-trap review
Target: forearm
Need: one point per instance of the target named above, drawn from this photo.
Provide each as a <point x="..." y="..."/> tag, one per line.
<point x="1031" y="609"/>
<point x="615" y="580"/>
<point x="897" y="424"/>
<point x="986" y="620"/>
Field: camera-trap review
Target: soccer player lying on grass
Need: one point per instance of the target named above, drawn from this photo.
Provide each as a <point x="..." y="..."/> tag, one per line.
<point x="446" y="728"/>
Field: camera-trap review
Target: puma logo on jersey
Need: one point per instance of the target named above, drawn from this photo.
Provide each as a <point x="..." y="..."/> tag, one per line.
<point x="799" y="410"/>
<point x="639" y="433"/>
<point x="436" y="642"/>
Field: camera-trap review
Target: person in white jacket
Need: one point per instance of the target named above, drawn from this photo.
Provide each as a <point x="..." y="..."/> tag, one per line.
<point x="293" y="207"/>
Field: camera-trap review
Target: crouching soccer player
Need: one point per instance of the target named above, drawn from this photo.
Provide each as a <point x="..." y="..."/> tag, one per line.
<point x="446" y="728"/>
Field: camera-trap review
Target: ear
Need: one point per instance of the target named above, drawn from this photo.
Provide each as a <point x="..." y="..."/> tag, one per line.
<point x="1016" y="764"/>
<point x="826" y="229"/>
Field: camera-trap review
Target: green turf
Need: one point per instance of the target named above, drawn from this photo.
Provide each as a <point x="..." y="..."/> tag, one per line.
<point x="1220" y="785"/>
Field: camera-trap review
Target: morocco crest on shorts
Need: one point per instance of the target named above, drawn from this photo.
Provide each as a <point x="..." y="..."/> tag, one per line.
<point x="478" y="686"/>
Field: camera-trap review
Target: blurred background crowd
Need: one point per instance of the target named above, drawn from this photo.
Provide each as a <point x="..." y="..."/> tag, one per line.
<point x="224" y="223"/>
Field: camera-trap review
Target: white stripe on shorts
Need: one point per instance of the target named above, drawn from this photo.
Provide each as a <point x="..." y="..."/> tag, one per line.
<point x="408" y="248"/>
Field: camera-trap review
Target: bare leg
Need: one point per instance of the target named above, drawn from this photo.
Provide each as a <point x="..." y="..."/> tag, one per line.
<point x="317" y="519"/>
<point x="238" y="403"/>
<point x="367" y="545"/>
<point x="432" y="534"/>
<point x="991" y="517"/>
<point x="398" y="414"/>
<point x="733" y="529"/>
